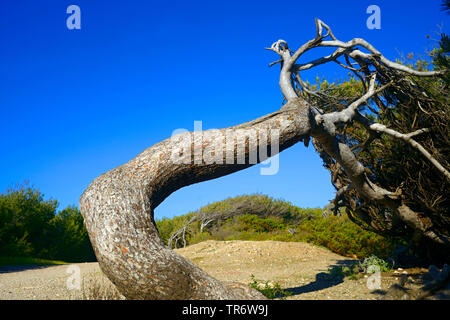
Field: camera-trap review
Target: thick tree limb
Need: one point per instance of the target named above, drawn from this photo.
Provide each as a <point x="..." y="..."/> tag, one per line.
<point x="118" y="208"/>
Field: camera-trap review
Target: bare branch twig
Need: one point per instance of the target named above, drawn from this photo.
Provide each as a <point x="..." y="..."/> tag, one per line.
<point x="407" y="137"/>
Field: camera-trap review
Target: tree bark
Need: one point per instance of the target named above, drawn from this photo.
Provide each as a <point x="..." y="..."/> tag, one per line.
<point x="118" y="206"/>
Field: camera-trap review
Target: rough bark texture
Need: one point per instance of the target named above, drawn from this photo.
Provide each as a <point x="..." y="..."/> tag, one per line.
<point x="118" y="208"/>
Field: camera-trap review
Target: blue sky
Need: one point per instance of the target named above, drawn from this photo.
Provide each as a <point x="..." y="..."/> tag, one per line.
<point x="77" y="103"/>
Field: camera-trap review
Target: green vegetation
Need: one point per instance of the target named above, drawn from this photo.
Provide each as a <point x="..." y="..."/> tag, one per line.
<point x="269" y="290"/>
<point x="355" y="270"/>
<point x="31" y="229"/>
<point x="383" y="265"/>
<point x="272" y="219"/>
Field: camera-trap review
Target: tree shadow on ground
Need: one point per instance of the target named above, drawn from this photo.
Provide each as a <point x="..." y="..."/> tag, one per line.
<point x="11" y="269"/>
<point x="323" y="280"/>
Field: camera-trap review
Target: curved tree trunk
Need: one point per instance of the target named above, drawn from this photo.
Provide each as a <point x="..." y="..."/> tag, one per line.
<point x="118" y="206"/>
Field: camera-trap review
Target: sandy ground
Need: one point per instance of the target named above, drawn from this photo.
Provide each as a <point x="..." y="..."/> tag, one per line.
<point x="47" y="283"/>
<point x="298" y="267"/>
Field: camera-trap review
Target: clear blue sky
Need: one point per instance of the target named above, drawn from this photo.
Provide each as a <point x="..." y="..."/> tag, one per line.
<point x="77" y="103"/>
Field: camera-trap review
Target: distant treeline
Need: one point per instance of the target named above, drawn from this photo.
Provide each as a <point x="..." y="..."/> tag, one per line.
<point x="32" y="227"/>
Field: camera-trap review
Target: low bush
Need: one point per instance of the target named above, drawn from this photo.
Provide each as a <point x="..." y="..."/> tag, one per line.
<point x="30" y="226"/>
<point x="271" y="290"/>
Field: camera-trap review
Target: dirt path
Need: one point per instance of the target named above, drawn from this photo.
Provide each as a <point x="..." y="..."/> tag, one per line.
<point x="299" y="267"/>
<point x="47" y="283"/>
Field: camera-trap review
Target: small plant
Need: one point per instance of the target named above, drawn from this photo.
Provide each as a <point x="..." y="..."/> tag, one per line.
<point x="373" y="260"/>
<point x="270" y="291"/>
<point x="355" y="270"/>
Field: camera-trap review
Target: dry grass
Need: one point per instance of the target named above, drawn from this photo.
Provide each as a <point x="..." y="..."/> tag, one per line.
<point x="100" y="288"/>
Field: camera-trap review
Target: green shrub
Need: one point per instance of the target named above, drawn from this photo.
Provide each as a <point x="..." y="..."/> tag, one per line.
<point x="31" y="227"/>
<point x="200" y="236"/>
<point x="384" y="266"/>
<point x="167" y="226"/>
<point x="342" y="236"/>
<point x="24" y="222"/>
<point x="270" y="291"/>
<point x="253" y="223"/>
